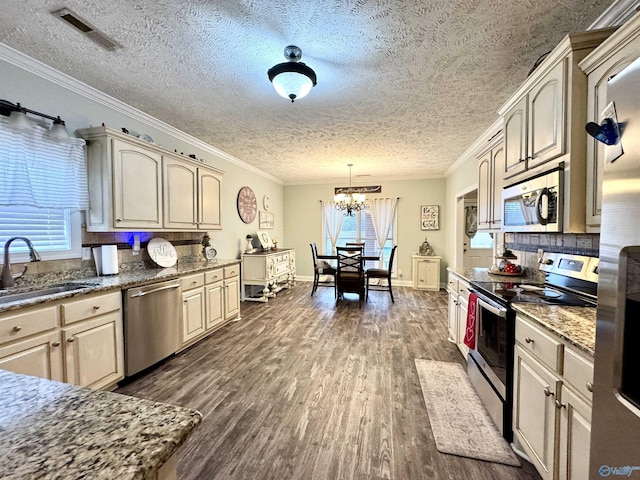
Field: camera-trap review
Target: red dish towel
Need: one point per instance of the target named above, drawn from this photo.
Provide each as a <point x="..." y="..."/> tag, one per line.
<point x="470" y="332"/>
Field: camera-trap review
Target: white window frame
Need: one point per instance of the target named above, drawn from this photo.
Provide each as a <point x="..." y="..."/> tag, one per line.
<point x="18" y="251"/>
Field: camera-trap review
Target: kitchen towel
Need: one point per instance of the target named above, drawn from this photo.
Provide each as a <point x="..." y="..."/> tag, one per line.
<point x="109" y="259"/>
<point x="470" y="332"/>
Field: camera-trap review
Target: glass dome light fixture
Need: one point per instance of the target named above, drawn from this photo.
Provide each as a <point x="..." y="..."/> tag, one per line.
<point x="351" y="202"/>
<point x="292" y="79"/>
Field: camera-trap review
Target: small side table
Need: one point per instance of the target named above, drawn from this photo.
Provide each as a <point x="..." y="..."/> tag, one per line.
<point x="426" y="272"/>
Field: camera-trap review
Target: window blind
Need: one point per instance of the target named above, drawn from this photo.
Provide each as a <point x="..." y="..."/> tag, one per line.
<point x="41" y="171"/>
<point x="48" y="229"/>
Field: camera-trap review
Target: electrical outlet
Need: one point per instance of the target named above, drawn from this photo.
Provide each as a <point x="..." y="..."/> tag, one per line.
<point x="86" y="253"/>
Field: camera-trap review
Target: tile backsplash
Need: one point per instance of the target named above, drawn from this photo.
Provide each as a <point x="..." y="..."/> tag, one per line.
<point x="526" y="245"/>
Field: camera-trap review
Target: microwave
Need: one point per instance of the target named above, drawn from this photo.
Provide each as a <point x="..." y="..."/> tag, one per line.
<point x="534" y="205"/>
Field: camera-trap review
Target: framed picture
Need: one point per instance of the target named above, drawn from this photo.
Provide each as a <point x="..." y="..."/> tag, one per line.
<point x="266" y="221"/>
<point x="429" y="217"/>
<point x="265" y="240"/>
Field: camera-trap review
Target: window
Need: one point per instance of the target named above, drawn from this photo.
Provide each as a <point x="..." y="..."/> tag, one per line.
<point x="359" y="228"/>
<point x="55" y="233"/>
<point x="482" y="240"/>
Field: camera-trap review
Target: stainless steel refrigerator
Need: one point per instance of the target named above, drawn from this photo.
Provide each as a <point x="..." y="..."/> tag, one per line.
<point x="615" y="431"/>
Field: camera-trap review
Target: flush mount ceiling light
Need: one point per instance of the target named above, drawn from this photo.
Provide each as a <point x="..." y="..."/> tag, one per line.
<point x="292" y="79"/>
<point x="350" y="201"/>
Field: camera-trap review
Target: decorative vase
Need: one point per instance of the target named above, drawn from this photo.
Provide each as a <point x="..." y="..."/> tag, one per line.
<point x="425" y="249"/>
<point x="249" y="247"/>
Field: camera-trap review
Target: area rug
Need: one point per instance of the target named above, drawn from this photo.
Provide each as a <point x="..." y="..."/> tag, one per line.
<point x="460" y="423"/>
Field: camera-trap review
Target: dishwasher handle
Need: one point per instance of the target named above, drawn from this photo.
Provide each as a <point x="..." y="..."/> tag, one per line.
<point x="142" y="293"/>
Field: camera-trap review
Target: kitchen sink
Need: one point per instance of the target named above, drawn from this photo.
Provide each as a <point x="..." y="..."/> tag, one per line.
<point x="66" y="287"/>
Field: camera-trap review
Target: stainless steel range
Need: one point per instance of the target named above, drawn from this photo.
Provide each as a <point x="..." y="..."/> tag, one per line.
<point x="570" y="280"/>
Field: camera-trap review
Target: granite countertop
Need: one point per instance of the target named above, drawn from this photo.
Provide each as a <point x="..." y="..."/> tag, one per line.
<point x="53" y="430"/>
<point x="576" y="325"/>
<point x="115" y="282"/>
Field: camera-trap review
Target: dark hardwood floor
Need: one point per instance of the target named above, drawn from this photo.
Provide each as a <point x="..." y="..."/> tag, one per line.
<point x="302" y="388"/>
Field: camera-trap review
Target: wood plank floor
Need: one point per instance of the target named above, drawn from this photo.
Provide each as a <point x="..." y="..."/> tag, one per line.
<point x="302" y="388"/>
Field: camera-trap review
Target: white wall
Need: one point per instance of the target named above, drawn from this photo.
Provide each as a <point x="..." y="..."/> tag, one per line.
<point x="79" y="111"/>
<point x="303" y="219"/>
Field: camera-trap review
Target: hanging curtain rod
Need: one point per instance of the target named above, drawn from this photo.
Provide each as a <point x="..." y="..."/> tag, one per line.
<point x="7" y="107"/>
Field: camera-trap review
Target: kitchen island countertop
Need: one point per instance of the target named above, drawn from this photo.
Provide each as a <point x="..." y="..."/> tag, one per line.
<point x="55" y="430"/>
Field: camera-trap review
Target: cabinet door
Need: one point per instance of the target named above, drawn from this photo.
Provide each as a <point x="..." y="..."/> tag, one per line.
<point x="193" y="319"/>
<point x="137" y="187"/>
<point x="39" y="356"/>
<point x="215" y="305"/>
<point x="597" y="98"/>
<point x="515" y="139"/>
<point x="209" y="197"/>
<point x="497" y="184"/>
<point x="231" y="297"/>
<point x="485" y="179"/>
<point x="534" y="411"/>
<point x="463" y="306"/>
<point x="546" y="117"/>
<point x="575" y="437"/>
<point x="180" y="186"/>
<point x="428" y="274"/>
<point x="93" y="351"/>
<point x="453" y="317"/>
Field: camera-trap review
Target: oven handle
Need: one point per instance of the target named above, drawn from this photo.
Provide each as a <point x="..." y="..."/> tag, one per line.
<point x="499" y="311"/>
<point x="544" y="193"/>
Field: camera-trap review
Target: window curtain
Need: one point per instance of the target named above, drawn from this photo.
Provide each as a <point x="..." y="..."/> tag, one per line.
<point x="39" y="170"/>
<point x="471" y="221"/>
<point x="382" y="212"/>
<point x="332" y="219"/>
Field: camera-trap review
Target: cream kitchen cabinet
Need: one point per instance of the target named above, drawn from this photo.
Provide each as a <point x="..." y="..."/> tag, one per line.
<point x="491" y="166"/>
<point x="552" y="402"/>
<point x="139" y="186"/>
<point x="193" y="319"/>
<point x="232" y="292"/>
<point x="93" y="340"/>
<point x="192" y="196"/>
<point x="426" y="272"/>
<point x="458" y="305"/>
<point x="613" y="55"/>
<point x="30" y="342"/>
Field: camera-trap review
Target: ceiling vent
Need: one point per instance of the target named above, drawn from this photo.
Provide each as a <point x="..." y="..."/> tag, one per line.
<point x="86" y="28"/>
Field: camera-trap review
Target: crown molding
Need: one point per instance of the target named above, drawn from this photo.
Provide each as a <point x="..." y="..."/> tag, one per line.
<point x="618" y="13"/>
<point x="487" y="140"/>
<point x="44" y="71"/>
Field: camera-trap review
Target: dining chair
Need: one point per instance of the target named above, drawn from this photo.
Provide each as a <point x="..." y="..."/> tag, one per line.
<point x="322" y="268"/>
<point x="350" y="272"/>
<point x="355" y="244"/>
<point x="381" y="273"/>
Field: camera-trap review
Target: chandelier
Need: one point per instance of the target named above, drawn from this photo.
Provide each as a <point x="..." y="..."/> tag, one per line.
<point x="292" y="79"/>
<point x="350" y="201"/>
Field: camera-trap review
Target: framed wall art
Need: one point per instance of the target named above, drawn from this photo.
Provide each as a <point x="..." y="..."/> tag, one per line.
<point x="265" y="240"/>
<point x="266" y="220"/>
<point x="430" y="217"/>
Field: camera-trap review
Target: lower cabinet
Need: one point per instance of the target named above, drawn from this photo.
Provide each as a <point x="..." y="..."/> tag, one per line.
<point x="426" y="272"/>
<point x="458" y="289"/>
<point x="193" y="308"/>
<point x="40" y="356"/>
<point x="552" y="402"/>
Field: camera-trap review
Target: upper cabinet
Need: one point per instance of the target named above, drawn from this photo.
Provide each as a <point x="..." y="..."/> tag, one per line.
<point x="135" y="185"/>
<point x="490" y="181"/>
<point x="544" y="122"/>
<point x="613" y="55"/>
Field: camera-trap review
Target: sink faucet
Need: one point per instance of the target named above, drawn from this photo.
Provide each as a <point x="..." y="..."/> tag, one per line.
<point x="7" y="275"/>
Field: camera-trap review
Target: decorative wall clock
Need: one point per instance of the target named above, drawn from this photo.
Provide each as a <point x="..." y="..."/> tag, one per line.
<point x="247" y="205"/>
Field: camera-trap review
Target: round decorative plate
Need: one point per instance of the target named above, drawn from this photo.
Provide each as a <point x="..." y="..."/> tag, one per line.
<point x="162" y="252"/>
<point x="506" y="274"/>
<point x="247" y="205"/>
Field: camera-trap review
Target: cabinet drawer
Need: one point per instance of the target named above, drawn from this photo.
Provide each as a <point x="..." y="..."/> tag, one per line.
<point x="28" y="322"/>
<point x="232" y="271"/>
<point x="463" y="289"/>
<point x="535" y="341"/>
<point x="192" y="281"/>
<point x="578" y="371"/>
<point x="281" y="268"/>
<point x="452" y="283"/>
<point x="213" y="276"/>
<point x="93" y="306"/>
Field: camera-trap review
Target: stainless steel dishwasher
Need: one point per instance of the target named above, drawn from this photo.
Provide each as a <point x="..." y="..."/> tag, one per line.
<point x="151" y="319"/>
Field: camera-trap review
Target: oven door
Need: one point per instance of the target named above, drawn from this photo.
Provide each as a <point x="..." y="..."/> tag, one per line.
<point x="493" y="344"/>
<point x="534" y="205"/>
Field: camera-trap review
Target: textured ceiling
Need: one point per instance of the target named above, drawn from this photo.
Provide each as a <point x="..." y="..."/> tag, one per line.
<point x="404" y="87"/>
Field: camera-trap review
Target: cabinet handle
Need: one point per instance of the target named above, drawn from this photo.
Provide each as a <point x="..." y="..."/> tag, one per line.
<point x="547" y="392"/>
<point x="17" y="328"/>
<point x="590" y="386"/>
<point x="96" y="307"/>
<point x="55" y="344"/>
<point x="528" y="339"/>
<point x="560" y="405"/>
<point x="71" y="340"/>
